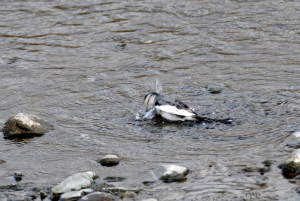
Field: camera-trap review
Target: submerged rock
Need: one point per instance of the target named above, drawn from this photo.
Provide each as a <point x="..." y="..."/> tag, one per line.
<point x="114" y="179"/>
<point x="215" y="87"/>
<point x="25" y="124"/>
<point x="120" y="191"/>
<point x="170" y="172"/>
<point x="110" y="160"/>
<point x="97" y="196"/>
<point x="74" y="182"/>
<point x="292" y="164"/>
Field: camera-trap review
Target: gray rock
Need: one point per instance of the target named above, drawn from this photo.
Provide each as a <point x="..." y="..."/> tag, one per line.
<point x="74" y="182"/>
<point x="25" y="124"/>
<point x="215" y="87"/>
<point x="86" y="191"/>
<point x="292" y="164"/>
<point x="69" y="196"/>
<point x="170" y="172"/>
<point x="99" y="196"/>
<point x="122" y="190"/>
<point x="110" y="160"/>
<point x="294" y="157"/>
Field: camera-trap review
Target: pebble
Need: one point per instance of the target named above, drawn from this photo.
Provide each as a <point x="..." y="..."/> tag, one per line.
<point x="110" y="160"/>
<point x="25" y="124"/>
<point x="97" y="196"/>
<point x="170" y="172"/>
<point x="74" y="182"/>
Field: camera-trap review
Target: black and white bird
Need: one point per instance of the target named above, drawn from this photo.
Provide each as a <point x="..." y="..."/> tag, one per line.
<point x="175" y="111"/>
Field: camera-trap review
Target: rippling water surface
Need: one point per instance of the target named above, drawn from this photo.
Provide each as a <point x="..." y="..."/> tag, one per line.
<point x="85" y="67"/>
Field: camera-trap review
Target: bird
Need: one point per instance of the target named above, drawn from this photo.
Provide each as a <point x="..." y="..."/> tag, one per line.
<point x="175" y="110"/>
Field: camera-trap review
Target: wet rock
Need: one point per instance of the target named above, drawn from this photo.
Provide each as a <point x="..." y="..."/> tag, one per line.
<point x="119" y="191"/>
<point x="149" y="183"/>
<point x="19" y="196"/>
<point x="74" y="182"/>
<point x="114" y="179"/>
<point x="292" y="164"/>
<point x="99" y="196"/>
<point x="215" y="87"/>
<point x="110" y="160"/>
<point x="100" y="186"/>
<point x="261" y="170"/>
<point x="25" y="125"/>
<point x="18" y="176"/>
<point x="69" y="196"/>
<point x="129" y="194"/>
<point x="86" y="191"/>
<point x="170" y="172"/>
<point x="268" y="163"/>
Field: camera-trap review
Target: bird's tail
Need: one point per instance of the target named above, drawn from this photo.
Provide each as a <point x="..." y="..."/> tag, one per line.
<point x="209" y="120"/>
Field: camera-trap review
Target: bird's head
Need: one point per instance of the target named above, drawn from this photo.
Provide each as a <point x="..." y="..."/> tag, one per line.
<point x="150" y="100"/>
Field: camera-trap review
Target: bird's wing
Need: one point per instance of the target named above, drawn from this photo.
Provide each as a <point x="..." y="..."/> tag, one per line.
<point x="174" y="110"/>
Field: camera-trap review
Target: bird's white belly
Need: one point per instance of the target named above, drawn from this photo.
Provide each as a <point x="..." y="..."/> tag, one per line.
<point x="171" y="113"/>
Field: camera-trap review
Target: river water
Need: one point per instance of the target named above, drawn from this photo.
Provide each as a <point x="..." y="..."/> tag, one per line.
<point x="85" y="67"/>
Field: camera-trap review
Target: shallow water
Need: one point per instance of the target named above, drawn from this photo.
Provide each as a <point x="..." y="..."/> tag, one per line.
<point x="85" y="67"/>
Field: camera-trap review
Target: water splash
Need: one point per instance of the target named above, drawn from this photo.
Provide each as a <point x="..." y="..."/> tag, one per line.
<point x="140" y="116"/>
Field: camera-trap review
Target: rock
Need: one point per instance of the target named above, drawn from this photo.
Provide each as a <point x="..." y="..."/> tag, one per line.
<point x="100" y="186"/>
<point x="73" y="195"/>
<point x="261" y="170"/>
<point x="295" y="157"/>
<point x="268" y="162"/>
<point x="292" y="164"/>
<point x="114" y="179"/>
<point x="215" y="87"/>
<point x="2" y="161"/>
<point x="74" y="182"/>
<point x="18" y="176"/>
<point x="129" y="194"/>
<point x="110" y="160"/>
<point x="99" y="196"/>
<point x="150" y="199"/>
<point x="170" y="172"/>
<point x="25" y="124"/>
<point x="119" y="191"/>
<point x="86" y="191"/>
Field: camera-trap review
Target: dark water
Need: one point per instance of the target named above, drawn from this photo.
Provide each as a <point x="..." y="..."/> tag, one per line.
<point x="85" y="66"/>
